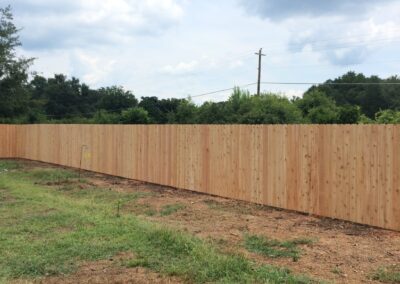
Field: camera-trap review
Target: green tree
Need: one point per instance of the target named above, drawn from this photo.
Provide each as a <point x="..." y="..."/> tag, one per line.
<point x="64" y="97"/>
<point x="213" y="113"/>
<point x="365" y="120"/>
<point x="136" y="115"/>
<point x="349" y="114"/>
<point x="238" y="104"/>
<point x="104" y="117"/>
<point x="115" y="99"/>
<point x="13" y="69"/>
<point x="186" y="112"/>
<point x="370" y="93"/>
<point x="271" y="109"/>
<point x="318" y="108"/>
<point x="160" y="111"/>
<point x="388" y="117"/>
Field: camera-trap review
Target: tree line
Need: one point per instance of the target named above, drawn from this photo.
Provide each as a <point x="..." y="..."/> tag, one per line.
<point x="31" y="98"/>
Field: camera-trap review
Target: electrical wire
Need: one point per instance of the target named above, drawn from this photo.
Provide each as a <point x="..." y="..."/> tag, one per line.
<point x="223" y="90"/>
<point x="332" y="83"/>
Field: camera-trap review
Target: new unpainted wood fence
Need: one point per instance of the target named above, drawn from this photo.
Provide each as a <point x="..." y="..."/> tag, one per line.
<point x="349" y="172"/>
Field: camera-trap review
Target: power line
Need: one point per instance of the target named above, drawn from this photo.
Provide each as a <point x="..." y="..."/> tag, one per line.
<point x="331" y="83"/>
<point x="330" y="65"/>
<point x="222" y="90"/>
<point x="295" y="83"/>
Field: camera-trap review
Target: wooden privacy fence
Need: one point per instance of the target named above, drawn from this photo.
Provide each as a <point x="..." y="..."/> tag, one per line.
<point x="349" y="172"/>
<point x="7" y="141"/>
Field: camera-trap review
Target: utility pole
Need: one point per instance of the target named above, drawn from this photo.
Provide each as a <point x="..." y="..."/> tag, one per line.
<point x="260" y="54"/>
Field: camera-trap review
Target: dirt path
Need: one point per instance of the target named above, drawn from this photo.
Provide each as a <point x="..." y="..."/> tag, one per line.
<point x="342" y="252"/>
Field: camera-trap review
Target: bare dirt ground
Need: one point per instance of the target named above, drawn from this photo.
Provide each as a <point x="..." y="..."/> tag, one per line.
<point x="342" y="252"/>
<point x="109" y="271"/>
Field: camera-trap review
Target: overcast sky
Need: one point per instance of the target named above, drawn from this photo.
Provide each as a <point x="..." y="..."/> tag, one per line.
<point x="173" y="48"/>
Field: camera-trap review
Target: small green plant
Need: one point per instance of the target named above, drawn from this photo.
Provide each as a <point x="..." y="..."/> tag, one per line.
<point x="390" y="274"/>
<point x="171" y="209"/>
<point x="337" y="270"/>
<point x="274" y="248"/>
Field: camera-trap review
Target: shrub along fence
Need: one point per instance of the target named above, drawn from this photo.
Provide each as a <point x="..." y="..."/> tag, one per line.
<point x="349" y="172"/>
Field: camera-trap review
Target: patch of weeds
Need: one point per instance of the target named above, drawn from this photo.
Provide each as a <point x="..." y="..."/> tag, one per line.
<point x="231" y="207"/>
<point x="142" y="194"/>
<point x="5" y="197"/>
<point x="302" y="241"/>
<point x="220" y="242"/>
<point x="67" y="187"/>
<point x="145" y="209"/>
<point x="390" y="274"/>
<point x="221" y="245"/>
<point x="8" y="165"/>
<point x="169" y="209"/>
<point x="274" y="248"/>
<point x="212" y="204"/>
<point x="137" y="262"/>
<point x="177" y="254"/>
<point x="100" y="194"/>
<point x="51" y="175"/>
<point x="336" y="270"/>
<point x="150" y="212"/>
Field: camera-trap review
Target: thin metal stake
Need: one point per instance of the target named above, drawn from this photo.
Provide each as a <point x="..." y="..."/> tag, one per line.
<point x="83" y="147"/>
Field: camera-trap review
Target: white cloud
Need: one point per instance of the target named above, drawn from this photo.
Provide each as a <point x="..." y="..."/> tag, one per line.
<point x="93" y="22"/>
<point x="279" y="10"/>
<point x="92" y="69"/>
<point x="291" y="93"/>
<point x="236" y="64"/>
<point x="342" y="39"/>
<point x="180" y="68"/>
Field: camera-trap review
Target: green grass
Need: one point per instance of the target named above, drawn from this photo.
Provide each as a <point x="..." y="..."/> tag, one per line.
<point x="389" y="274"/>
<point x="6" y="165"/>
<point x="46" y="231"/>
<point x="51" y="175"/>
<point x="169" y="209"/>
<point x="274" y="248"/>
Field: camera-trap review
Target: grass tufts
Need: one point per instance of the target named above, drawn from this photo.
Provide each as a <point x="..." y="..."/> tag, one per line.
<point x="169" y="209"/>
<point x="390" y="274"/>
<point x="274" y="248"/>
<point x="6" y="165"/>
